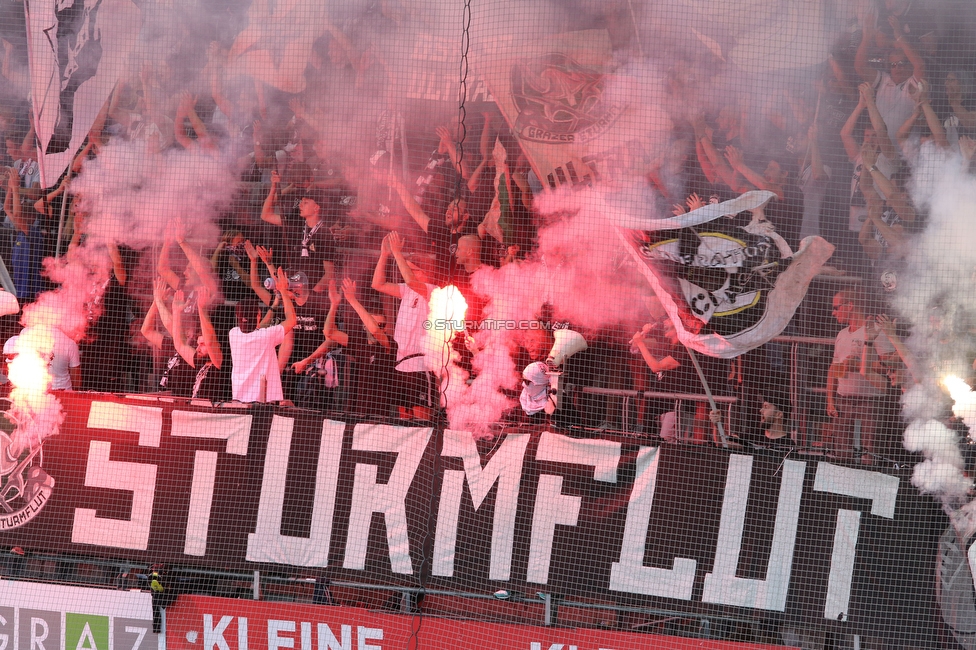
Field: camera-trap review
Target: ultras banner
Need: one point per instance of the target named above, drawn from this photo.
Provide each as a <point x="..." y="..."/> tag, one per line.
<point x="682" y="529"/>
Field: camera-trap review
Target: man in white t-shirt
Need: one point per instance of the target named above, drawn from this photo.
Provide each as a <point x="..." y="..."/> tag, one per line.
<point x="852" y="397"/>
<point x="417" y="390"/>
<point x="904" y="69"/>
<point x="64" y="358"/>
<point x="253" y="348"/>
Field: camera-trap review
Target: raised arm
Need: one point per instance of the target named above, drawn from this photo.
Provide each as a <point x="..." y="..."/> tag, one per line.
<point x="349" y="290"/>
<point x="861" y="63"/>
<point x="931" y="119"/>
<point x="286" y="300"/>
<point x="256" y="285"/>
<point x="269" y="211"/>
<point x="396" y="248"/>
<point x="148" y="329"/>
<point x="159" y="299"/>
<point x="380" y="282"/>
<point x="118" y="267"/>
<point x="201" y="266"/>
<point x="918" y="63"/>
<point x="179" y="337"/>
<point x="329" y="330"/>
<point x="413" y="208"/>
<point x="214" y="350"/>
<point x="738" y="163"/>
<point x="163" y="267"/>
<point x="662" y="365"/>
<point x="877" y="122"/>
<point x="847" y="132"/>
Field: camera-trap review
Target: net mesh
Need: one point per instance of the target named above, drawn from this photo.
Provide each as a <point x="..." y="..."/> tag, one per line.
<point x="431" y="324"/>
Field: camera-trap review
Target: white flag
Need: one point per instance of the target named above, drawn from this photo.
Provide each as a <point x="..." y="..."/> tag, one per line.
<point x="78" y="50"/>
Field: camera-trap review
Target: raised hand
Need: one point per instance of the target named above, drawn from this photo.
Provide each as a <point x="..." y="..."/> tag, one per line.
<point x="694" y="202"/>
<point x="395" y="242"/>
<point x="249" y="249"/>
<point x="265" y="254"/>
<point x="179" y="301"/>
<point x="349" y="289"/>
<point x="281" y="283"/>
<point x="734" y="156"/>
<point x="334" y="297"/>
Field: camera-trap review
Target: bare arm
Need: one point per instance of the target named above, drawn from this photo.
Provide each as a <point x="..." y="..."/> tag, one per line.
<point x="410" y="203"/>
<point x="290" y="318"/>
<point x="329" y="330"/>
<point x="201" y="266"/>
<point x="734" y="156"/>
<point x="836" y="371"/>
<point x="269" y="212"/>
<point x="379" y="274"/>
<point x="847" y="132"/>
<point x="263" y="294"/>
<point x="118" y="268"/>
<point x="667" y="363"/>
<point x="918" y="63"/>
<point x="163" y="267"/>
<point x="349" y="290"/>
<point x="214" y="350"/>
<point x="179" y="337"/>
<point x="877" y="122"/>
<point x="861" y="64"/>
<point x="148" y="329"/>
<point x="396" y="248"/>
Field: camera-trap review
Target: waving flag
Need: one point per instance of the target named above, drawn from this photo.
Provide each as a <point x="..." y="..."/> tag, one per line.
<point x="728" y="284"/>
<point x="77" y="51"/>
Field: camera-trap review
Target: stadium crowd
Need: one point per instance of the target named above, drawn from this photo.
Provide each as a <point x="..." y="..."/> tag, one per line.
<point x="317" y="291"/>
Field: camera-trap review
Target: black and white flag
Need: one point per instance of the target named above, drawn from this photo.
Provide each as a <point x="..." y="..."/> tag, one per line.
<point x="727" y="280"/>
<point x="78" y="50"/>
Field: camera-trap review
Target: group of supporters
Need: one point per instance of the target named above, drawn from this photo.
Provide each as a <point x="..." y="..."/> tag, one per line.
<point x="317" y="292"/>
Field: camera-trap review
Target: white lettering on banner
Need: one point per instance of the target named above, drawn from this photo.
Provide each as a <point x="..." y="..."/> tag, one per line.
<point x="629" y="574"/>
<point x="722" y="587"/>
<point x="213" y="637"/>
<point x="236" y="430"/>
<point x="137" y="478"/>
<point x="140" y="633"/>
<point x="327" y="640"/>
<point x="274" y="640"/>
<point x="369" y="634"/>
<point x="552" y="507"/>
<point x="882" y="491"/>
<point x="505" y="469"/>
<point x="368" y="496"/>
<point x="37" y="639"/>
<point x="266" y="543"/>
<point x="241" y="633"/>
<point x="86" y="640"/>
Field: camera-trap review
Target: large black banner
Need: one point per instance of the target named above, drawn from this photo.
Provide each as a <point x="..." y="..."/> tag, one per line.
<point x="689" y="529"/>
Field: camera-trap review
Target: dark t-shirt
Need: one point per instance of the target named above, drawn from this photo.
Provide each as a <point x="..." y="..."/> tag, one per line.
<point x="307" y="248"/>
<point x="308" y="330"/>
<point x="443" y="243"/>
<point x="373" y="373"/>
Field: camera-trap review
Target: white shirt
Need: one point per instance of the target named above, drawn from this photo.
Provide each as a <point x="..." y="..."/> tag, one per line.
<point x="65" y="355"/>
<point x="894" y="103"/>
<point x="850" y="344"/>
<point x="254" y="355"/>
<point x="409" y="331"/>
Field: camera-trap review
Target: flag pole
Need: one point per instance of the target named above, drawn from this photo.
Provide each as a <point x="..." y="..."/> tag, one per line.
<point x="708" y="392"/>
